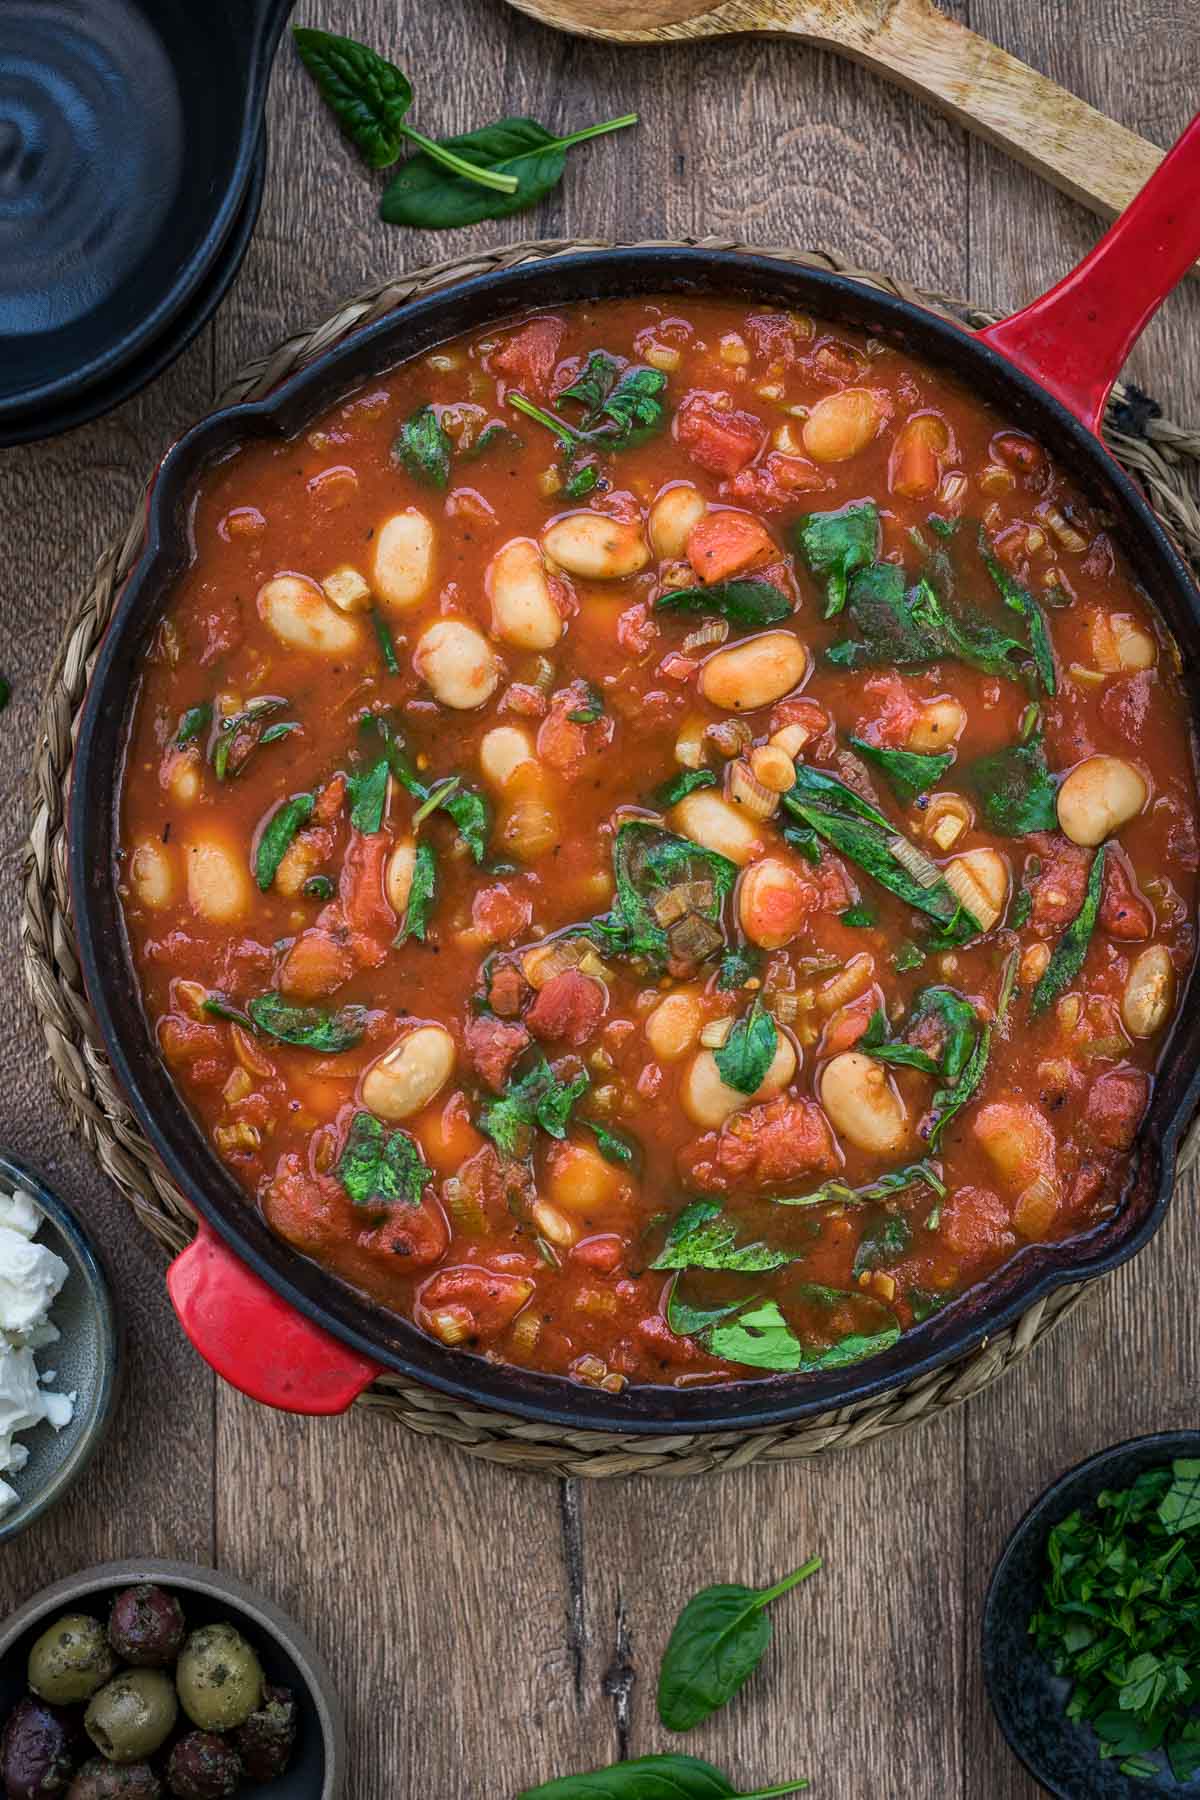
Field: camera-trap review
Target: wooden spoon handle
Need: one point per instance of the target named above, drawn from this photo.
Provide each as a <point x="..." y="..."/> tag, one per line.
<point x="1051" y="131"/>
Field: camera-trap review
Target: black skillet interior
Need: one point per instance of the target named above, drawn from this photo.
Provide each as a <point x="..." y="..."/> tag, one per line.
<point x="129" y="131"/>
<point x="114" y="989"/>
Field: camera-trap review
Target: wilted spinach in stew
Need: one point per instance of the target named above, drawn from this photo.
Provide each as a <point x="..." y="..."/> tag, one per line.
<point x="659" y="842"/>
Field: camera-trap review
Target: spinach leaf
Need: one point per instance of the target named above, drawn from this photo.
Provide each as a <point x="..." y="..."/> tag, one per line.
<point x="537" y="1098"/>
<point x="760" y="1338"/>
<point x="1016" y="790"/>
<point x="467" y="807"/>
<point x="616" y="1147"/>
<point x="737" y="967"/>
<point x="648" y="861"/>
<point x="368" y="797"/>
<point x="923" y="1304"/>
<point x="654" y="1778"/>
<point x="277" y="835"/>
<point x="195" y="720"/>
<point x="838" y="1193"/>
<point x="1180" y="1507"/>
<point x="853" y="826"/>
<point x="319" y="887"/>
<point x="702" y="1237"/>
<point x="749" y="1050"/>
<point x="369" y="98"/>
<point x="949" y="1101"/>
<point x="718" y="1641"/>
<point x="963" y="1055"/>
<point x="748" y="603"/>
<point x="282" y="728"/>
<point x="884" y="1241"/>
<point x="876" y="1042"/>
<point x="689" y="1320"/>
<point x="627" y="400"/>
<point x="386" y="642"/>
<point x="1071" y="950"/>
<point x="836" y="544"/>
<point x="424" y="196"/>
<point x="421" y="895"/>
<point x="492" y="435"/>
<point x="1020" y="600"/>
<point x="858" y="915"/>
<point x="593" y="384"/>
<point x="907" y="627"/>
<point x="379" y="1167"/>
<point x="944" y="528"/>
<point x="688" y="781"/>
<point x="908" y="772"/>
<point x="422" y="448"/>
<point x="907" y="957"/>
<point x="240" y="733"/>
<point x="308" y="1027"/>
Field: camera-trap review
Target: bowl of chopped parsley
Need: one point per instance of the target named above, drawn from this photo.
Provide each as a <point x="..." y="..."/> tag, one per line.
<point x="1091" y="1626"/>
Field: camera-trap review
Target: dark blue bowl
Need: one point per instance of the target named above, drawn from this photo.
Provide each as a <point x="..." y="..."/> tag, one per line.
<point x="1029" y="1700"/>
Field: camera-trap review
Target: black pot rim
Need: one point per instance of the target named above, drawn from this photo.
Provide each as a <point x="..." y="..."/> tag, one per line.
<point x="1032" y="1275"/>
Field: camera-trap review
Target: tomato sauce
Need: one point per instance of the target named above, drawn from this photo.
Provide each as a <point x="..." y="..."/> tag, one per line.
<point x="666" y="865"/>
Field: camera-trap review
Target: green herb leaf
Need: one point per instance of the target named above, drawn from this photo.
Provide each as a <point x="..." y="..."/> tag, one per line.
<point x="749" y="1050"/>
<point x="718" y="1641"/>
<point x="281" y="729"/>
<point x="379" y="1167"/>
<point x="1020" y="600"/>
<point x="923" y="1304"/>
<point x="760" y="1338"/>
<point x="702" y="1237"/>
<point x="277" y="835"/>
<point x="859" y="916"/>
<point x="368" y="797"/>
<point x="747" y="603"/>
<point x="308" y="1027"/>
<point x="386" y="642"/>
<point x="467" y="808"/>
<point x="908" y="772"/>
<point x="366" y="94"/>
<point x="622" y="408"/>
<point x="739" y="966"/>
<point x="1016" y="789"/>
<point x="422" y="449"/>
<point x="241" y="733"/>
<point x="884" y="1241"/>
<point x="319" y="887"/>
<point x="195" y="720"/>
<point x="537" y="1098"/>
<point x="836" y="544"/>
<point x="839" y="1193"/>
<point x="688" y="781"/>
<point x="654" y="1778"/>
<point x="421" y="895"/>
<point x="425" y="196"/>
<point x="1180" y="1507"/>
<point x="876" y="1042"/>
<point x="648" y="861"/>
<point x="615" y="1146"/>
<point x="1071" y="950"/>
<point x="907" y="627"/>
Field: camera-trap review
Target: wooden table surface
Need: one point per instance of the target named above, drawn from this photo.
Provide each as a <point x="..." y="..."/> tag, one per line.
<point x="490" y="1630"/>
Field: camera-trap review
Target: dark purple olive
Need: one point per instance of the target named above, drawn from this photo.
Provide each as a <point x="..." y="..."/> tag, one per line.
<point x="100" y="1780"/>
<point x="267" y="1739"/>
<point x="36" y="1750"/>
<point x="203" y="1766"/>
<point x="146" y="1626"/>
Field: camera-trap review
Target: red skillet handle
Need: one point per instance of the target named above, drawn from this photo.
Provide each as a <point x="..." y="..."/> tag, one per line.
<point x="257" y="1342"/>
<point x="1075" y="339"/>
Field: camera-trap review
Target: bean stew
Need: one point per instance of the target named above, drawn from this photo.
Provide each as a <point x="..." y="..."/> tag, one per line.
<point x="659" y="840"/>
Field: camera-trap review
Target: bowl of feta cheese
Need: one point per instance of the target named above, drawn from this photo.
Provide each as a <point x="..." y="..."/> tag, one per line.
<point x="59" y="1348"/>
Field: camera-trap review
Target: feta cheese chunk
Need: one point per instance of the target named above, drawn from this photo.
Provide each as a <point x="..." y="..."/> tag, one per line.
<point x="31" y="1278"/>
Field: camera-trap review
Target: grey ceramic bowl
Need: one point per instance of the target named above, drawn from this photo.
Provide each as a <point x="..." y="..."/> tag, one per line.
<point x="1029" y="1700"/>
<point x="87" y="1358"/>
<point x="206" y="1595"/>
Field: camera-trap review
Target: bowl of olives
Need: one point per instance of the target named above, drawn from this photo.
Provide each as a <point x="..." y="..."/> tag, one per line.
<point x="163" y="1681"/>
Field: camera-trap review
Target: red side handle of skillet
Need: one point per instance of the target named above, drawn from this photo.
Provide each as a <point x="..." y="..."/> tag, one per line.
<point x="1073" y="341"/>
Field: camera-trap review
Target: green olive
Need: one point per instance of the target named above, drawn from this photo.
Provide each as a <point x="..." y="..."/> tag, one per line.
<point x="220" y="1679"/>
<point x="71" y="1660"/>
<point x="132" y="1716"/>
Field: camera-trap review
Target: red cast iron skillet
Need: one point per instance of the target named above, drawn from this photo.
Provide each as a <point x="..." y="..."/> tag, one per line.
<point x="286" y="1331"/>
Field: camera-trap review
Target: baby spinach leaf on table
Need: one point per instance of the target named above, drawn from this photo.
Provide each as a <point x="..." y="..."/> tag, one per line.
<point x="1016" y="789"/>
<point x="668" y="1777"/>
<point x="1020" y="600"/>
<point x="195" y="720"/>
<point x="908" y="772"/>
<point x="1070" y="952"/>
<point x="884" y="1241"/>
<point x="422" y="449"/>
<point x="424" y="195"/>
<point x="369" y="97"/>
<point x="836" y="544"/>
<point x="378" y="1167"/>
<point x="535" y="1099"/>
<point x="688" y="781"/>
<point x="739" y="966"/>
<point x="307" y="1027"/>
<point x="718" y="1641"/>
<point x="368" y="797"/>
<point x="421" y="895"/>
<point x="702" y="1237"/>
<point x="277" y="835"/>
<point x="748" y="603"/>
<point x="5" y="692"/>
<point x="749" y="1050"/>
<point x="761" y="1338"/>
<point x="616" y="1147"/>
<point x="876" y="1042"/>
<point x="839" y="1193"/>
<point x="648" y="861"/>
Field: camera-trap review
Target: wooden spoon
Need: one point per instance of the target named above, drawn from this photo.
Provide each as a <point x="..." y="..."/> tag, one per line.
<point x="981" y="86"/>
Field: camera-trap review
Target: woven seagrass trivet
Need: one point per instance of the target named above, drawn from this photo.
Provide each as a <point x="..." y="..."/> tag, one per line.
<point x="1165" y="457"/>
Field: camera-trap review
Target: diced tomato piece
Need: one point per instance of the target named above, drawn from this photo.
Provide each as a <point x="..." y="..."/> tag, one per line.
<point x="976" y="1225"/>
<point x="564" y="742"/>
<point x="185" y="1041"/>
<point x="413" y="1237"/>
<point x="603" y="1255"/>
<point x="568" y="1008"/>
<point x="1125" y="706"/>
<point x="636" y="630"/>
<point x="330" y="801"/>
<point x="1124" y="913"/>
<point x="895" y="709"/>
<point x="836" y="892"/>
<point x="317" y="964"/>
<point x="499" y="915"/>
<point x="242" y="962"/>
<point x="506" y="990"/>
<point x="1059" y="889"/>
<point x="366" y="907"/>
<point x="491" y="1299"/>
<point x="656" y="1336"/>
<point x="811" y="718"/>
<point x="775" y="482"/>
<point x="721" y="441"/>
<point x="773" y="336"/>
<point x="529" y="356"/>
<point x="849" y="1023"/>
<point x="767" y="1144"/>
<point x="493" y="1046"/>
<point x="1115" y="1105"/>
<point x="722" y="544"/>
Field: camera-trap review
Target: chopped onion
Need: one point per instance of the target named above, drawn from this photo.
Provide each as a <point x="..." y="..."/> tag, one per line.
<point x="744" y="789"/>
<point x="716" y="1033"/>
<point x="916" y="862"/>
<point x="714" y="632"/>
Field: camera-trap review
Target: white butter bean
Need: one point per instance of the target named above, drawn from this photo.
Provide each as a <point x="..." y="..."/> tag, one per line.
<point x="403" y="566"/>
<point x="1149" y="992"/>
<point x="523" y="609"/>
<point x="773" y="902"/>
<point x="864" y="1104"/>
<point x="842" y="424"/>
<point x="151" y="873"/>
<point x="674" y="1025"/>
<point x="708" y="1101"/>
<point x="398" y="875"/>
<point x="457" y="664"/>
<point x="596" y="547"/>
<point x="939" y="723"/>
<point x="1098" y="797"/>
<point x="501" y="753"/>
<point x="754" y="673"/>
<point x="715" y="825"/>
<point x="218" y="881"/>
<point x="672" y="516"/>
<point x="409" y="1075"/>
<point x="296" y="610"/>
